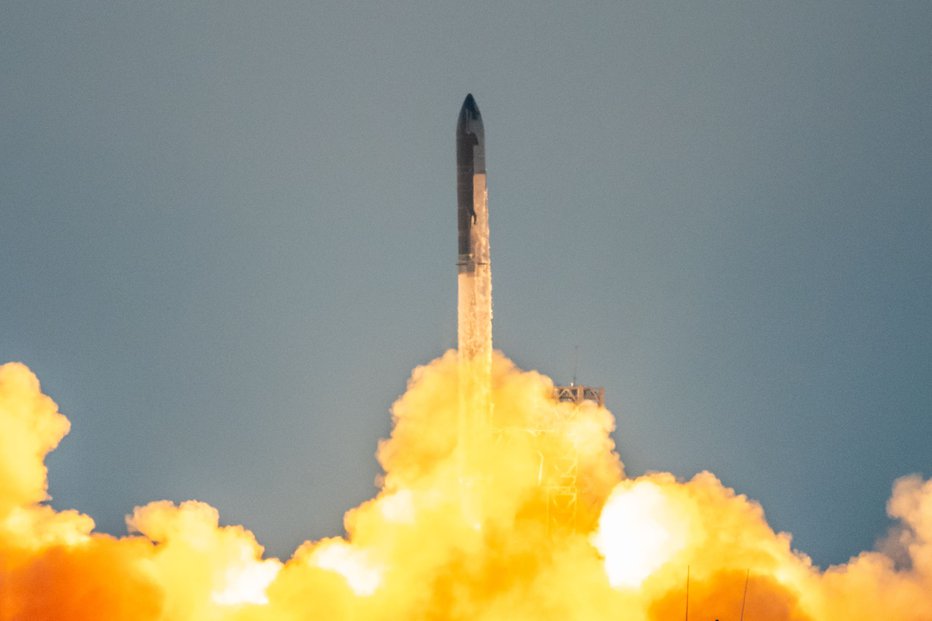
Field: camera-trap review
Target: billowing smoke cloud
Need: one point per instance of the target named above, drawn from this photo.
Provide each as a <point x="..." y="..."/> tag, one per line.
<point x="496" y="543"/>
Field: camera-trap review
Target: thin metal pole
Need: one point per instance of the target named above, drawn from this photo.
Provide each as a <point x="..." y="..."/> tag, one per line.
<point x="575" y="364"/>
<point x="687" y="593"/>
<point x="744" y="597"/>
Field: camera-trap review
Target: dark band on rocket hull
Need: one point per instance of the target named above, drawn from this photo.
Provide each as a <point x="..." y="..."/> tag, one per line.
<point x="470" y="161"/>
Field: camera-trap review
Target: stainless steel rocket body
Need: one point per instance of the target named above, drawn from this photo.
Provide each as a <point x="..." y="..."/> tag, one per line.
<point x="474" y="263"/>
<point x="474" y="308"/>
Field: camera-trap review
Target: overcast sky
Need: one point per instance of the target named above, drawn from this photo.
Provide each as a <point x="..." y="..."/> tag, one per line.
<point x="227" y="235"/>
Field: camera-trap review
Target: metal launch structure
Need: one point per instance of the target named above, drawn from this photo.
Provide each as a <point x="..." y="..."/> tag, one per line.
<point x="560" y="476"/>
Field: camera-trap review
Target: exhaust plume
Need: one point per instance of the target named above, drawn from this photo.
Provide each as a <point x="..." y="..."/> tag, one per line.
<point x="414" y="552"/>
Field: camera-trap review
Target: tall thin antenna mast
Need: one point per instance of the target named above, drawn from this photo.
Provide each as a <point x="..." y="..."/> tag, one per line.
<point x="744" y="597"/>
<point x="575" y="363"/>
<point x="687" y="593"/>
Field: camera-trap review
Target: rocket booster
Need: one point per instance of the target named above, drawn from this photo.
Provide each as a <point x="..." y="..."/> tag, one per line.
<point x="474" y="268"/>
<point x="474" y="306"/>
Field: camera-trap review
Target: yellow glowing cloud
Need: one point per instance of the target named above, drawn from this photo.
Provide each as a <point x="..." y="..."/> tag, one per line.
<point x="30" y="427"/>
<point x="618" y="550"/>
<point x="639" y="531"/>
<point x="354" y="564"/>
<point x="246" y="582"/>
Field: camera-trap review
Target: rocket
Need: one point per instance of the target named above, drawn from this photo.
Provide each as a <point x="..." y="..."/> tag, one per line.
<point x="474" y="268"/>
<point x="474" y="308"/>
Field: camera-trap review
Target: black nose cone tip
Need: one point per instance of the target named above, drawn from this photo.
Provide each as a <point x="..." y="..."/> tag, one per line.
<point x="469" y="111"/>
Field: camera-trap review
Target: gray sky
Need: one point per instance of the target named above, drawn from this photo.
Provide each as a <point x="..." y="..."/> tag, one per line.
<point x="227" y="234"/>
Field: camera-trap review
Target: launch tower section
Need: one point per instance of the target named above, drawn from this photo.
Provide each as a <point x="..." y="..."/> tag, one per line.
<point x="560" y="474"/>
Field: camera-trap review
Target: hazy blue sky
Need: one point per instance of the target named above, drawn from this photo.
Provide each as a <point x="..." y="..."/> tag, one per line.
<point x="227" y="234"/>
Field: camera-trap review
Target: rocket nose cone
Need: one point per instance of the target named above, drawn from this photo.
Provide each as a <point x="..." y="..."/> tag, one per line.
<point x="470" y="110"/>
